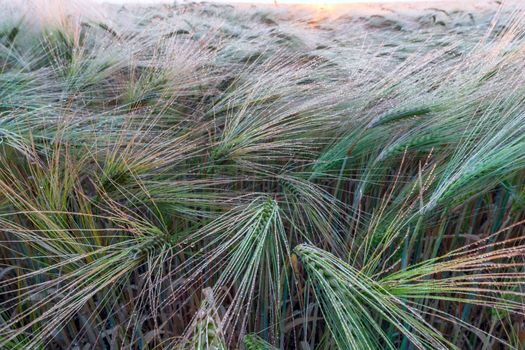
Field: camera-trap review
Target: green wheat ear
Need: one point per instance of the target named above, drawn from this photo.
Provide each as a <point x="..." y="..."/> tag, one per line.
<point x="254" y="342"/>
<point x="207" y="332"/>
<point x="355" y="306"/>
<point x="403" y="114"/>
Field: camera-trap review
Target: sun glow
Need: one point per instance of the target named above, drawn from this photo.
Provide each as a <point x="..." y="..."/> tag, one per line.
<point x="329" y="2"/>
<point x="278" y="2"/>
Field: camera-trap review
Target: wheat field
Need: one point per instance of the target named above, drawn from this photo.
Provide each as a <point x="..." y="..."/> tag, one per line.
<point x="204" y="176"/>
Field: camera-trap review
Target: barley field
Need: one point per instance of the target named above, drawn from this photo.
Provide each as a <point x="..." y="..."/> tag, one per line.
<point x="209" y="176"/>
